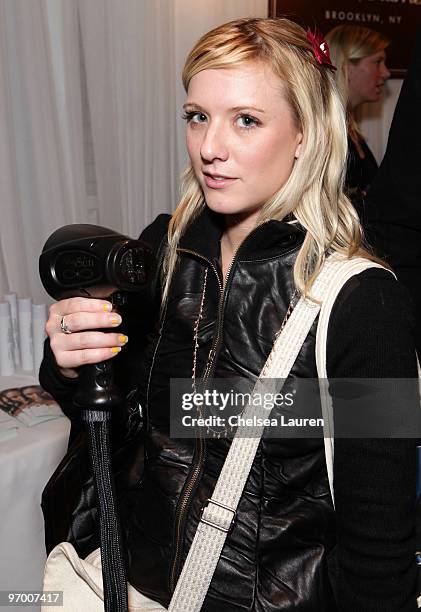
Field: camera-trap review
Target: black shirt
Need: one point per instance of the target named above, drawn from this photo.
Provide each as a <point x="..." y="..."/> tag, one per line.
<point x="360" y="174"/>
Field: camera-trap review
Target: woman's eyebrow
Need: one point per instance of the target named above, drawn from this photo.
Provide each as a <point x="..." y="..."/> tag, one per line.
<point x="193" y="105"/>
<point x="233" y="109"/>
<point x="247" y="107"/>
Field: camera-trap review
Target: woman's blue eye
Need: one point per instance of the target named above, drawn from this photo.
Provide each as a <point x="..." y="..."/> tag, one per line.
<point x="195" y="116"/>
<point x="246" y="121"/>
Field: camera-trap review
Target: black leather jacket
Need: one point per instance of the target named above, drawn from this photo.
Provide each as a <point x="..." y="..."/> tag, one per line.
<point x="275" y="556"/>
<point x="278" y="554"/>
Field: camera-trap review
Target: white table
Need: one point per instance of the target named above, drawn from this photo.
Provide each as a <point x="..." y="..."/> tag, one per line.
<point x="26" y="464"/>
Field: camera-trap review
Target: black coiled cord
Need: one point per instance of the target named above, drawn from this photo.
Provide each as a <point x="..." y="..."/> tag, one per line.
<point x="112" y="556"/>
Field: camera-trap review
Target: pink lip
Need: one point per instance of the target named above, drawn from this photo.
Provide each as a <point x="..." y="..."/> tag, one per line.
<point x="218" y="183"/>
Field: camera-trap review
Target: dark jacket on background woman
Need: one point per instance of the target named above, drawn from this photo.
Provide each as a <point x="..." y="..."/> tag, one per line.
<point x="394" y="201"/>
<point x="360" y="173"/>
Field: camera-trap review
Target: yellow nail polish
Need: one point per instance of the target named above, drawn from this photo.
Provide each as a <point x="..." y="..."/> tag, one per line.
<point x="115" y="321"/>
<point x="116" y="349"/>
<point x="122" y="339"/>
<point x="107" y="307"/>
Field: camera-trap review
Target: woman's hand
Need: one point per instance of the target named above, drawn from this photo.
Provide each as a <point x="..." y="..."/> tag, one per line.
<point x="79" y="346"/>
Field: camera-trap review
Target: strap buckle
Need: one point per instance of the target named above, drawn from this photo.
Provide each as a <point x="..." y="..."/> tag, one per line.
<point x="222" y="528"/>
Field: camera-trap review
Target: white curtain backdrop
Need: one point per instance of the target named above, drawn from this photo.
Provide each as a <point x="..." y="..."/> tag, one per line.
<point x="129" y="56"/>
<point x="90" y="127"/>
<point x="42" y="185"/>
<point x="35" y="196"/>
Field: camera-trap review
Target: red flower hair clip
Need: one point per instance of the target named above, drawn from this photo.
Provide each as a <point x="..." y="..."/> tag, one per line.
<point x="320" y="48"/>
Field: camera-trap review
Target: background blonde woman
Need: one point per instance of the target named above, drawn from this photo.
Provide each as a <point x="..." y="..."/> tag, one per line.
<point x="261" y="208"/>
<point x="359" y="55"/>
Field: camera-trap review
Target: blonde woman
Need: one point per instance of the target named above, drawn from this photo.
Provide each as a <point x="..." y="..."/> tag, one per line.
<point x="359" y="54"/>
<point x="261" y="208"/>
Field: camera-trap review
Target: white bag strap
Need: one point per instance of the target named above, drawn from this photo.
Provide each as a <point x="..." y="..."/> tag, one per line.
<point x="219" y="513"/>
<point x="344" y="271"/>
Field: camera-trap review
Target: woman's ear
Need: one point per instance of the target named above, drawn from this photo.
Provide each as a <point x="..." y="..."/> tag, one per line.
<point x="348" y="69"/>
<point x="299" y="144"/>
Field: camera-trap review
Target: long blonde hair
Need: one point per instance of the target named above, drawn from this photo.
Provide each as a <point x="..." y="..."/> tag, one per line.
<point x="314" y="190"/>
<point x="348" y="44"/>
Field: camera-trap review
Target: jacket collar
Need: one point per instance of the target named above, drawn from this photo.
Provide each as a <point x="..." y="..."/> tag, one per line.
<point x="270" y="239"/>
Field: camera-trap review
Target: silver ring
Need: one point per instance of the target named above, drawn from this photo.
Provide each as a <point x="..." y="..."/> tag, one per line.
<point x="64" y="327"/>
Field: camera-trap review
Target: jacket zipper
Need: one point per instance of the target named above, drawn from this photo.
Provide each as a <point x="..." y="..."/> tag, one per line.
<point x="194" y="476"/>
<point x="200" y="445"/>
<point x="209" y="369"/>
<point x="158" y="342"/>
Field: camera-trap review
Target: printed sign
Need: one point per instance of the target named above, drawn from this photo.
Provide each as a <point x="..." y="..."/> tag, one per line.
<point x="399" y="20"/>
